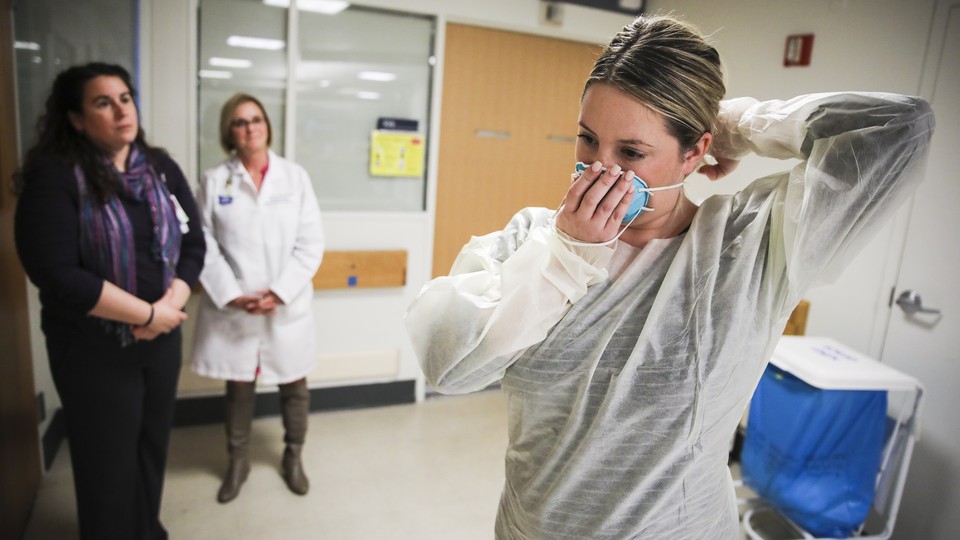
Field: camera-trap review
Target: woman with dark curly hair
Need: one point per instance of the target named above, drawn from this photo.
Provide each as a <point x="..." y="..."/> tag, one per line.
<point x="107" y="228"/>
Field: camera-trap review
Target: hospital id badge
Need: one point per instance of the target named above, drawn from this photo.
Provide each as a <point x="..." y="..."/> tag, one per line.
<point x="182" y="216"/>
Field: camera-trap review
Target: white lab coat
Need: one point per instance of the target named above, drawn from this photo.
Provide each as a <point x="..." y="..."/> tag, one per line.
<point x="627" y="370"/>
<point x="271" y="239"/>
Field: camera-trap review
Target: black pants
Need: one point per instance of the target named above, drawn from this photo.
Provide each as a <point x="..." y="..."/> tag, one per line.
<point x="118" y="405"/>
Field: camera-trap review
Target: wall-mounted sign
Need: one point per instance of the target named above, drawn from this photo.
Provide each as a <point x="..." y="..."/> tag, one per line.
<point x="396" y="153"/>
<point x="398" y="124"/>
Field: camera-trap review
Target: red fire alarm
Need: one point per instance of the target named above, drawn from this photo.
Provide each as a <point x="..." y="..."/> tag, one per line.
<point x="798" y="50"/>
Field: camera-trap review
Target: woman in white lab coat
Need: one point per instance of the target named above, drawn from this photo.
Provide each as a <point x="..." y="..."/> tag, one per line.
<point x="262" y="225"/>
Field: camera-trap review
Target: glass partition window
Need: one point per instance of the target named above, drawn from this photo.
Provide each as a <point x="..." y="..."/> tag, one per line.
<point x="52" y="35"/>
<point x="243" y="48"/>
<point x="355" y="68"/>
<point x="352" y="74"/>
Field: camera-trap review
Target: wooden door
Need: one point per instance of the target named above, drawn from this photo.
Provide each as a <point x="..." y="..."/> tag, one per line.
<point x="507" y="129"/>
<point x="19" y="440"/>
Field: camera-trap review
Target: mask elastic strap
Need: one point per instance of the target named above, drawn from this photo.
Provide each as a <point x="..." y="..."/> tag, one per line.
<point x="674" y="186"/>
<point x="570" y="242"/>
<point x="647" y="208"/>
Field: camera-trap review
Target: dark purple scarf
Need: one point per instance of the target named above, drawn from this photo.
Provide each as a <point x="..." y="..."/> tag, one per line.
<point x="106" y="236"/>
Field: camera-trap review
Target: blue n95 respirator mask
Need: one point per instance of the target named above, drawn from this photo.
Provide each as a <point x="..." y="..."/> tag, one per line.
<point x="641" y="194"/>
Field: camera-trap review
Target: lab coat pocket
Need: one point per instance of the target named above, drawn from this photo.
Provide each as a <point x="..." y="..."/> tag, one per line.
<point x="282" y="213"/>
<point x="285" y="200"/>
<point x="226" y="342"/>
<point x="237" y="325"/>
<point x="231" y="223"/>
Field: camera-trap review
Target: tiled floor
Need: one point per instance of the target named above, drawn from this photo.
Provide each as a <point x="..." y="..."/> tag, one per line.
<point x="426" y="471"/>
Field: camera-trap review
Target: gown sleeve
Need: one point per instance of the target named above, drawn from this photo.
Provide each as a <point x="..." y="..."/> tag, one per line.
<point x="862" y="154"/>
<point x="504" y="292"/>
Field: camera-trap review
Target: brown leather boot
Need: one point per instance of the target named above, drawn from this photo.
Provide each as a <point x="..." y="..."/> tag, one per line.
<point x="293" y="473"/>
<point x="240" y="400"/>
<point x="295" y="407"/>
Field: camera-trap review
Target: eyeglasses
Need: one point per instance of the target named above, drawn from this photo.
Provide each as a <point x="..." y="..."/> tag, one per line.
<point x="243" y="123"/>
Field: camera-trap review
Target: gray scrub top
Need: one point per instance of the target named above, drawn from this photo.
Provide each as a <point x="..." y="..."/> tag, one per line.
<point x="627" y="370"/>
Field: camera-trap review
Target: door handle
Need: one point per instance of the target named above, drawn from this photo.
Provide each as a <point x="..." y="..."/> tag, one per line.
<point x="910" y="302"/>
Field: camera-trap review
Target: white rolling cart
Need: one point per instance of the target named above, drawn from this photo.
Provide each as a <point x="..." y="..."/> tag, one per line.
<point x="828" y="365"/>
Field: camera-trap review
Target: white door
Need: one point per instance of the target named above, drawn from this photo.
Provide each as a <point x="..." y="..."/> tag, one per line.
<point x="927" y="345"/>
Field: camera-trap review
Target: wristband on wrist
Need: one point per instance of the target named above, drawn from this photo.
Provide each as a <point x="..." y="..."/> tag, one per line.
<point x="149" y="319"/>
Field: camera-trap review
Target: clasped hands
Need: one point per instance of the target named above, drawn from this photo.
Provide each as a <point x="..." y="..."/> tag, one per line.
<point x="167" y="313"/>
<point x="263" y="302"/>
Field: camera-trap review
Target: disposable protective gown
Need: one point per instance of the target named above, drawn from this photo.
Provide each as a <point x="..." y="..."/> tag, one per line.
<point x="627" y="370"/>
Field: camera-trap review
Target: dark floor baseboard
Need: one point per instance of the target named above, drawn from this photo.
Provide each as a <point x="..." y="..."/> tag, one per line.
<point x="53" y="437"/>
<point x="193" y="411"/>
